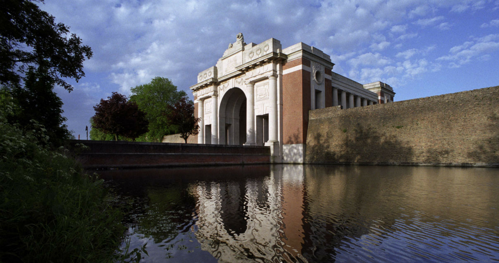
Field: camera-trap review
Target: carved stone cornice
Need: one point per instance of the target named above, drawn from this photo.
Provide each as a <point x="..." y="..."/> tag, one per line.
<point x="272" y="56"/>
<point x="203" y="84"/>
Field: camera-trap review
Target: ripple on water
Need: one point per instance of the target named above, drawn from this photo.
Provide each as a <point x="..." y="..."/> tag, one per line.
<point x="316" y="214"/>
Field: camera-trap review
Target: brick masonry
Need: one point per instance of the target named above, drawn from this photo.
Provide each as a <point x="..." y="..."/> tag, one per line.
<point x="296" y="103"/>
<point x="459" y="129"/>
<point x="105" y="154"/>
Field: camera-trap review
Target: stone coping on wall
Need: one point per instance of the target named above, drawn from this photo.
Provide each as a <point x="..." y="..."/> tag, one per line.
<point x="110" y="154"/>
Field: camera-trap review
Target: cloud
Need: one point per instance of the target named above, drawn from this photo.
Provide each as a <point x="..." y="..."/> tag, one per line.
<point x="493" y="23"/>
<point x="369" y="59"/>
<point x="419" y="11"/>
<point x="379" y="46"/>
<point x="428" y="21"/>
<point x="459" y="8"/>
<point x="444" y="26"/>
<point x="399" y="28"/>
<point x="407" y="36"/>
<point x="466" y="52"/>
<point x="134" y="41"/>
<point x="469" y="4"/>
<point x="407" y="54"/>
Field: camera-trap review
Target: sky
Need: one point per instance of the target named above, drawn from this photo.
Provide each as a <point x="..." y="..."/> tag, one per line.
<point x="419" y="47"/>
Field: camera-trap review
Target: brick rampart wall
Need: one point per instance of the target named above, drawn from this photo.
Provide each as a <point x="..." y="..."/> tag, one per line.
<point x="453" y="129"/>
<point x="105" y="154"/>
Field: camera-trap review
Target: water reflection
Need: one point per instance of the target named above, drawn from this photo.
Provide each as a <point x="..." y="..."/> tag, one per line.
<point x="314" y="213"/>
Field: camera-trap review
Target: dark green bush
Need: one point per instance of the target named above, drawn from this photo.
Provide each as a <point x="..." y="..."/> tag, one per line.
<point x="50" y="211"/>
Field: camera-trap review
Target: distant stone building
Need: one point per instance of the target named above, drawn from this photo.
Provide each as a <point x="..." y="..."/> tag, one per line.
<point x="261" y="95"/>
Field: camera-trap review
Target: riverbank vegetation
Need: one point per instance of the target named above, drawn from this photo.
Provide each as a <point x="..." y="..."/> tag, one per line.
<point x="50" y="211"/>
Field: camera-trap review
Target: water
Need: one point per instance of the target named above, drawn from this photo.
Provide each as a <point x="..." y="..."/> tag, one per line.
<point x="289" y="213"/>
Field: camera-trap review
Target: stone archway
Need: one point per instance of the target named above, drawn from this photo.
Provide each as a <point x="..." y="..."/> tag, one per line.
<point x="232" y="118"/>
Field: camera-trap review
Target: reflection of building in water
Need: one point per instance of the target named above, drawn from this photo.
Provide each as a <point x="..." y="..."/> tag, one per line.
<point x="312" y="213"/>
<point x="248" y="220"/>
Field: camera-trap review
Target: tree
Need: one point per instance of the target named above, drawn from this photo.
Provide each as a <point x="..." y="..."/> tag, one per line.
<point x="120" y="117"/>
<point x="182" y="115"/>
<point x="154" y="98"/>
<point x="98" y="135"/>
<point x="38" y="102"/>
<point x="29" y="38"/>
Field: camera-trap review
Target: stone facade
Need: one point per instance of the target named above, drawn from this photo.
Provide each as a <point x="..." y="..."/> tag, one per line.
<point x="460" y="129"/>
<point x="261" y="95"/>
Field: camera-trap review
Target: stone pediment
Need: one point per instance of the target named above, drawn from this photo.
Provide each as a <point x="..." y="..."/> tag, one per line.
<point x="235" y="47"/>
<point x="237" y="58"/>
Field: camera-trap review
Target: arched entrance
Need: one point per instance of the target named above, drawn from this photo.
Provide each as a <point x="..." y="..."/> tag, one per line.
<point x="232" y="114"/>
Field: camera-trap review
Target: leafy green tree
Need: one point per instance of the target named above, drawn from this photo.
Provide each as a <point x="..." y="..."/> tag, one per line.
<point x="154" y="98"/>
<point x="37" y="104"/>
<point x="98" y="135"/>
<point x="29" y="37"/>
<point x="120" y="117"/>
<point x="182" y="115"/>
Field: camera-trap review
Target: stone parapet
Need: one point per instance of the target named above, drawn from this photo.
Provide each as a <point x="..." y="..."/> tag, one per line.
<point x="105" y="154"/>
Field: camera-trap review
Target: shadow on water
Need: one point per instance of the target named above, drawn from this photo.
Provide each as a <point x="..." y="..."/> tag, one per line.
<point x="286" y="213"/>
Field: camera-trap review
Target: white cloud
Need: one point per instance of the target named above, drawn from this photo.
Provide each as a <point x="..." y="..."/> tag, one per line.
<point x="407" y="36"/>
<point x="428" y="21"/>
<point x="399" y="28"/>
<point x="380" y="46"/>
<point x="369" y="59"/>
<point x="465" y="53"/>
<point x="493" y="23"/>
<point x="459" y="8"/>
<point x="419" y="11"/>
<point x="134" y="41"/>
<point x="479" y="4"/>
<point x="444" y="26"/>
<point x="407" y="54"/>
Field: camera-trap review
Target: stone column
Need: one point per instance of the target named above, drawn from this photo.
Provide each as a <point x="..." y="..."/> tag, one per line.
<point x="357" y="102"/>
<point x="273" y="108"/>
<point x="214" y="119"/>
<point x="343" y="99"/>
<point x="364" y="102"/>
<point x="201" y="121"/>
<point x="350" y="101"/>
<point x="335" y="96"/>
<point x="371" y="102"/>
<point x="250" y="115"/>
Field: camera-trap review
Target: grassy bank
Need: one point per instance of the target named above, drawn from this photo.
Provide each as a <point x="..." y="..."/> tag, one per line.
<point x="50" y="211"/>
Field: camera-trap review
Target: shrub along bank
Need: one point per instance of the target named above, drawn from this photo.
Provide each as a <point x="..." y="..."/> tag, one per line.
<point x="50" y="211"/>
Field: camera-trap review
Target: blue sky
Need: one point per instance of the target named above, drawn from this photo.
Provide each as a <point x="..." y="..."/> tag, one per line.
<point x="420" y="47"/>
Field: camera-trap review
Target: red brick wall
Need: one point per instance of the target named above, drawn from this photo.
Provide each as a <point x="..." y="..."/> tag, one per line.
<point x="296" y="103"/>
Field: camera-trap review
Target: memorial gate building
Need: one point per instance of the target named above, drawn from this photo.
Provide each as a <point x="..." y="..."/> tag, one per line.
<point x="260" y="94"/>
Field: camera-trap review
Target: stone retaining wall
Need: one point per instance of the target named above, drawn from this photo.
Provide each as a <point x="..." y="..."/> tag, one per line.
<point x="106" y="154"/>
<point x="460" y="129"/>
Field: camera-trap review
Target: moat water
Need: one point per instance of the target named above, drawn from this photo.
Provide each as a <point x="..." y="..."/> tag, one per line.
<point x="292" y="213"/>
